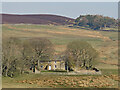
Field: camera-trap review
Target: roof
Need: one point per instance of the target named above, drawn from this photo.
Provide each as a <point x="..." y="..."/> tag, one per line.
<point x="49" y="60"/>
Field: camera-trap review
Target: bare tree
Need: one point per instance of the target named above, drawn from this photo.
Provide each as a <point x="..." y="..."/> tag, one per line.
<point x="42" y="49"/>
<point x="26" y="53"/>
<point x="80" y="54"/>
<point x="11" y="53"/>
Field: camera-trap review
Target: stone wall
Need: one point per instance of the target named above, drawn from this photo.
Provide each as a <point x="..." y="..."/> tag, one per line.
<point x="85" y="72"/>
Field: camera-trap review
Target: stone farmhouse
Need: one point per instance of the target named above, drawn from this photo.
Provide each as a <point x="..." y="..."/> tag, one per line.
<point x="52" y="65"/>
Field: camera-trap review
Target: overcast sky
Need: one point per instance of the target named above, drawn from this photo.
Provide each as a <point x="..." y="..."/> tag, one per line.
<point x="60" y="0"/>
<point x="69" y="9"/>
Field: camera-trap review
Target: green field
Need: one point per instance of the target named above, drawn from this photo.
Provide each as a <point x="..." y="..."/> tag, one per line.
<point x="106" y="43"/>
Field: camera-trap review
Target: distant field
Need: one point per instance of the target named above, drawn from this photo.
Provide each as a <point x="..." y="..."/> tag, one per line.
<point x="106" y="43"/>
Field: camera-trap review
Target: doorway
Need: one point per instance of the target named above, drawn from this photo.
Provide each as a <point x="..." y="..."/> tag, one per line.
<point x="49" y="67"/>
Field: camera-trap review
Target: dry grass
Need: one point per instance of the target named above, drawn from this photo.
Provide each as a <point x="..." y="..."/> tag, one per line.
<point x="65" y="31"/>
<point x="73" y="81"/>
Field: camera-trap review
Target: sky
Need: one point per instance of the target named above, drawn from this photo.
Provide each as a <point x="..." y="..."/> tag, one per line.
<point x="60" y="0"/>
<point x="68" y="9"/>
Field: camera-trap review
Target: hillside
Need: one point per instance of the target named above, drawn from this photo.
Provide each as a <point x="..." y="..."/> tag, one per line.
<point x="60" y="36"/>
<point x="106" y="43"/>
<point x="35" y="19"/>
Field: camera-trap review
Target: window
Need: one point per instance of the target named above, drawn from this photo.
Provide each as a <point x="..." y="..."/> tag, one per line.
<point x="41" y="66"/>
<point x="55" y="61"/>
<point x="55" y="66"/>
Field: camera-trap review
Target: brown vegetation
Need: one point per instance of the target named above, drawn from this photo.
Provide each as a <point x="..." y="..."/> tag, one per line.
<point x="35" y="19"/>
<point x="73" y="81"/>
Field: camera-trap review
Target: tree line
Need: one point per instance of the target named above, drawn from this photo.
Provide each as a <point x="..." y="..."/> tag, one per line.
<point x="21" y="54"/>
<point x="95" y="21"/>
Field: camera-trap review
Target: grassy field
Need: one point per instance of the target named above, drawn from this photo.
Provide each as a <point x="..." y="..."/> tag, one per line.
<point x="106" y="43"/>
